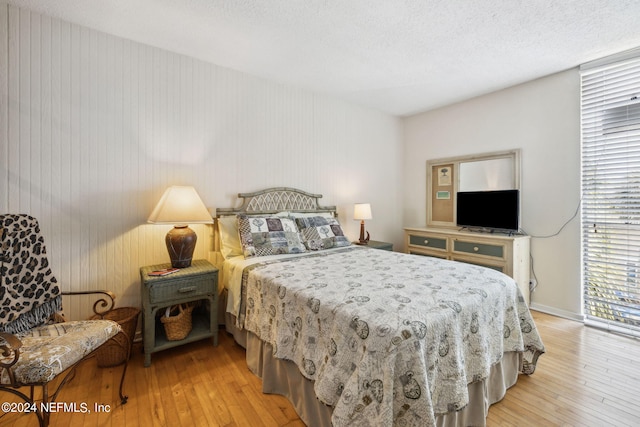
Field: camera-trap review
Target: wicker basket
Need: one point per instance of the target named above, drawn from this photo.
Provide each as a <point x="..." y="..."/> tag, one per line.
<point x="177" y="326"/>
<point x="115" y="351"/>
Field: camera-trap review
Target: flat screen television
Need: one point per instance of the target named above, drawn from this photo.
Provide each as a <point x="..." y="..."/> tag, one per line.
<point x="498" y="209"/>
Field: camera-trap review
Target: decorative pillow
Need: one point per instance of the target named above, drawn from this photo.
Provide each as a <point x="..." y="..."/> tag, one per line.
<point x="268" y="235"/>
<point x="320" y="233"/>
<point x="230" y="245"/>
<point x="229" y="239"/>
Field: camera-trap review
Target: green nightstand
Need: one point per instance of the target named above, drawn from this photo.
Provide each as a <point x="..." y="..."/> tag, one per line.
<point x="199" y="282"/>
<point x="374" y="244"/>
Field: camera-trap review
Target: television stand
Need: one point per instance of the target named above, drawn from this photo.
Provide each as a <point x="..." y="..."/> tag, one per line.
<point x="498" y="231"/>
<point x="508" y="253"/>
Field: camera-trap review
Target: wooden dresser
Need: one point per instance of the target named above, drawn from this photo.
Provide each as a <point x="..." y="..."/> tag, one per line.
<point x="505" y="253"/>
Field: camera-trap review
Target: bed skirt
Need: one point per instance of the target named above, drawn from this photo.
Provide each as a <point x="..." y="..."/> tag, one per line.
<point x="283" y="377"/>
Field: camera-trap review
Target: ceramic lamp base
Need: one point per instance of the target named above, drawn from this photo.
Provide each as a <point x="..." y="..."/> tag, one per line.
<point x="363" y="240"/>
<point x="181" y="242"/>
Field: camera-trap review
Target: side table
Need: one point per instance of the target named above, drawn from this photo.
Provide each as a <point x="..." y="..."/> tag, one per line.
<point x="195" y="283"/>
<point x="374" y="244"/>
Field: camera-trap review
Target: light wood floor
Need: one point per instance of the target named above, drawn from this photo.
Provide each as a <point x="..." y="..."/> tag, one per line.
<point x="587" y="377"/>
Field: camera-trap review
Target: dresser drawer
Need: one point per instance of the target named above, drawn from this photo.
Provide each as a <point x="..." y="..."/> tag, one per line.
<point x="484" y="262"/>
<point x="428" y="241"/>
<point x="486" y="249"/>
<point x="435" y="254"/>
<point x="187" y="288"/>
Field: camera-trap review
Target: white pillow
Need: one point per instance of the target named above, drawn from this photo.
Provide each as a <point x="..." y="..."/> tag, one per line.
<point x="310" y="214"/>
<point x="229" y="238"/>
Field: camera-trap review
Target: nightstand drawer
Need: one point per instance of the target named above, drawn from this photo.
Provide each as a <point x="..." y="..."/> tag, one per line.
<point x="496" y="251"/>
<point x="179" y="289"/>
<point x="428" y="242"/>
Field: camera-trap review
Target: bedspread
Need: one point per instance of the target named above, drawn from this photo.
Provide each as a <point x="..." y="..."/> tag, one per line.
<point x="388" y="338"/>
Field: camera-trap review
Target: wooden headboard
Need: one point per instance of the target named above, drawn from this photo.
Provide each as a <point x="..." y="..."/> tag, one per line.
<point x="278" y="199"/>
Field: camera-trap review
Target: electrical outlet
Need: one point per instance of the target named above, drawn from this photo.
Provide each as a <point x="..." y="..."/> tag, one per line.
<point x="533" y="283"/>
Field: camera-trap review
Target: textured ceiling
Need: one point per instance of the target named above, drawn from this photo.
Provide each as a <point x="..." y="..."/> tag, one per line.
<point x="398" y="56"/>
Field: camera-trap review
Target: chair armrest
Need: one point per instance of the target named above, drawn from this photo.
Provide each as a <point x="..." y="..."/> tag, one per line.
<point x="9" y="344"/>
<point x="107" y="302"/>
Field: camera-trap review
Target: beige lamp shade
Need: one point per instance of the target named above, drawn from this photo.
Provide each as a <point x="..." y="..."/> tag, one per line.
<point x="180" y="206"/>
<point x="362" y="211"/>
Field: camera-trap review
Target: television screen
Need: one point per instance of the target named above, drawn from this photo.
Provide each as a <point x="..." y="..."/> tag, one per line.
<point x="488" y="209"/>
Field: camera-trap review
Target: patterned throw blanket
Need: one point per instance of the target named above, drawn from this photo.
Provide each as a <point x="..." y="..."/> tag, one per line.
<point x="29" y="294"/>
<point x="388" y="338"/>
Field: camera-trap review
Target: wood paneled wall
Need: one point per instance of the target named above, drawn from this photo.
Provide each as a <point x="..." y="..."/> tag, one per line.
<point x="94" y="127"/>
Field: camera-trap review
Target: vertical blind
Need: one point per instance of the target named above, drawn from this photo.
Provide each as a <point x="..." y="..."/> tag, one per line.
<point x="610" y="121"/>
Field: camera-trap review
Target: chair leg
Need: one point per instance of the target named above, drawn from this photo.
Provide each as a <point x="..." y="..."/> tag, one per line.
<point x="123" y="398"/>
<point x="45" y="399"/>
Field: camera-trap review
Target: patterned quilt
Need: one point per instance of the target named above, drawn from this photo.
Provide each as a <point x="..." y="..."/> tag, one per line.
<point x="388" y="338"/>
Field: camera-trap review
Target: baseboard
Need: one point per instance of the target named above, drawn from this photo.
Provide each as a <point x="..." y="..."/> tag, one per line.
<point x="557" y="312"/>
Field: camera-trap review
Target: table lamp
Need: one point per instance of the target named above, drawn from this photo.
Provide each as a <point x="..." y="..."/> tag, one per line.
<point x="362" y="211"/>
<point x="180" y="206"/>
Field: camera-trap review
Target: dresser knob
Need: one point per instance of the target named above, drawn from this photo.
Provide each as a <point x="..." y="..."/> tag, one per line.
<point x="426" y="242"/>
<point x="476" y="249"/>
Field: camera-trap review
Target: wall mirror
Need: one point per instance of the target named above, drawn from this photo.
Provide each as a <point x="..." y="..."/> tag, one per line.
<point x="478" y="172"/>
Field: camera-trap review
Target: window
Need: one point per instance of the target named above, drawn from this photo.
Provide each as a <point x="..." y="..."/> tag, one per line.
<point x="610" y="121"/>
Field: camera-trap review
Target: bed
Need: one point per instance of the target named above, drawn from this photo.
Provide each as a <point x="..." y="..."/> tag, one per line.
<point x="359" y="336"/>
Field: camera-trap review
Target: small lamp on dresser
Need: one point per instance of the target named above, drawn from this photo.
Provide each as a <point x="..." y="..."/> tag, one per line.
<point x="361" y="212"/>
<point x="180" y="206"/>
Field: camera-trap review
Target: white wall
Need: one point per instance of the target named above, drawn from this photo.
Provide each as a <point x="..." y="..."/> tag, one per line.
<point x="93" y="128"/>
<point x="542" y="118"/>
